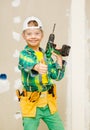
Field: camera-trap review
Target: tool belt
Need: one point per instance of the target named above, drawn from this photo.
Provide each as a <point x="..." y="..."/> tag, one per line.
<point x="34" y="96"/>
<point x="29" y="100"/>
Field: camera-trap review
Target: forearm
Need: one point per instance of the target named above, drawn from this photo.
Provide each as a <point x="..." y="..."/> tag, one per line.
<point x="56" y="71"/>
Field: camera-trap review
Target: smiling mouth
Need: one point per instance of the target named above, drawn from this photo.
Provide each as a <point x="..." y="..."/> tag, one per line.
<point x="33" y="41"/>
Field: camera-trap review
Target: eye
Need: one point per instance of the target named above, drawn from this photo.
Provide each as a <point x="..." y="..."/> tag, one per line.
<point x="37" y="33"/>
<point x="29" y="33"/>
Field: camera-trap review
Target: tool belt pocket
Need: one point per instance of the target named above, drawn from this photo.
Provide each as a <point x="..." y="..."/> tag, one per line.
<point x="27" y="107"/>
<point x="28" y="102"/>
<point x="52" y="91"/>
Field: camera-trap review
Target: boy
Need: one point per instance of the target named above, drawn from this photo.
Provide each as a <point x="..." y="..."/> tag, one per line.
<point x="38" y="99"/>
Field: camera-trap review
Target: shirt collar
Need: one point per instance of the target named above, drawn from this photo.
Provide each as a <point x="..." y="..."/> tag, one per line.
<point x="27" y="48"/>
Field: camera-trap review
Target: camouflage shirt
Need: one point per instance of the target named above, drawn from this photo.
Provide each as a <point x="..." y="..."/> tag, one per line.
<point x="31" y="79"/>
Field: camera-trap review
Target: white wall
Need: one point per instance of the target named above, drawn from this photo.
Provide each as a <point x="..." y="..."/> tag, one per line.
<point x="12" y="15"/>
<point x="73" y="90"/>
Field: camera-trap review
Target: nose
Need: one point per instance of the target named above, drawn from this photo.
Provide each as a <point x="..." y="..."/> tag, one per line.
<point x="33" y="36"/>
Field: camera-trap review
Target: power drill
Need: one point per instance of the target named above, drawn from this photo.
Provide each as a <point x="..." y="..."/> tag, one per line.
<point x="51" y="47"/>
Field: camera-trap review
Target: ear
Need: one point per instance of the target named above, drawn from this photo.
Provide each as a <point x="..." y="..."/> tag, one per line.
<point x="42" y="34"/>
<point x="23" y="35"/>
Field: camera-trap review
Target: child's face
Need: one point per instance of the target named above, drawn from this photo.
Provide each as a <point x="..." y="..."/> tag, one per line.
<point x="33" y="37"/>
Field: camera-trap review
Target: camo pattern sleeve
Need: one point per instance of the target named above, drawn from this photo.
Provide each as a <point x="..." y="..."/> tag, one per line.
<point x="27" y="61"/>
<point x="55" y="71"/>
